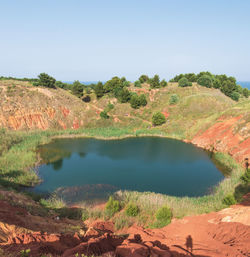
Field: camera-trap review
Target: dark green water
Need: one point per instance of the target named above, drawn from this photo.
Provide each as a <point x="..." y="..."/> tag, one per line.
<point x="89" y="168"/>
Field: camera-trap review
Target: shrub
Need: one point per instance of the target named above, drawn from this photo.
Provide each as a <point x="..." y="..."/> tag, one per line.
<point x="137" y="83"/>
<point x="104" y="115"/>
<point x="77" y="88"/>
<point x="110" y="107"/>
<point x="85" y="215"/>
<point x="163" y="83"/>
<point x="143" y="100"/>
<point x="99" y="90"/>
<point x="135" y="101"/>
<point x="158" y="119"/>
<point x="229" y="200"/>
<point x="155" y="81"/>
<point x="124" y="95"/>
<point x="143" y="78"/>
<point x="112" y="206"/>
<point x="245" y="92"/>
<point x="183" y="82"/>
<point x="174" y="99"/>
<point x="125" y="83"/>
<point x="205" y="80"/>
<point x="163" y="216"/>
<point x="46" y="81"/>
<point x="235" y="96"/>
<point x="132" y="210"/>
<point x="246" y="177"/>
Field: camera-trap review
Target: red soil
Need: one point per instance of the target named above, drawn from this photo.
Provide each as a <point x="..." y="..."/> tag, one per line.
<point x="225" y="233"/>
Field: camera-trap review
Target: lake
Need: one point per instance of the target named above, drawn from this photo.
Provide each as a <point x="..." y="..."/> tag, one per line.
<point x="83" y="168"/>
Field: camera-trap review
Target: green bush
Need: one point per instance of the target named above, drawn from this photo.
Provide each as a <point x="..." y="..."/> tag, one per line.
<point x="205" y="81"/>
<point x="112" y="206"/>
<point x="245" y="92"/>
<point x="143" y="100"/>
<point x="143" y="78"/>
<point x="137" y="83"/>
<point x="163" y="83"/>
<point x="85" y="215"/>
<point x="183" y="82"/>
<point x="132" y="210"/>
<point x="235" y="96"/>
<point x="163" y="216"/>
<point x="104" y="115"/>
<point x="155" y="81"/>
<point x="246" y="177"/>
<point x="135" y="101"/>
<point x="158" y="119"/>
<point x="46" y="81"/>
<point x="99" y="90"/>
<point x="229" y="200"/>
<point x="174" y="99"/>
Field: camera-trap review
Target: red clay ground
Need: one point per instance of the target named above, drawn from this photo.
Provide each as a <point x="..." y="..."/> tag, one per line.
<point x="225" y="233"/>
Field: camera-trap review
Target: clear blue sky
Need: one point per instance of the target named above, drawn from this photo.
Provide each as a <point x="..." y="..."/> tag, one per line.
<point x="93" y="40"/>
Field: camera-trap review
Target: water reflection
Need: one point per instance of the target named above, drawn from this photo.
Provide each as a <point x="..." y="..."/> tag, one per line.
<point x="142" y="164"/>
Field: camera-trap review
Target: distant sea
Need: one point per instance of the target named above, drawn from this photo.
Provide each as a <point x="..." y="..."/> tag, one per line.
<point x="244" y="84"/>
<point x="83" y="82"/>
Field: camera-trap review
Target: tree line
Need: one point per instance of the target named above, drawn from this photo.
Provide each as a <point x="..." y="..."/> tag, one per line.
<point x="227" y="85"/>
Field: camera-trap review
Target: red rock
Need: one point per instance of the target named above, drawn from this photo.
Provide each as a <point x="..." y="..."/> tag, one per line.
<point x="132" y="250"/>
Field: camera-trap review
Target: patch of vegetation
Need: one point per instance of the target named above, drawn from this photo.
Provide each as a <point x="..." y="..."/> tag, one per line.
<point x="104" y="115"/>
<point x="112" y="206"/>
<point x="183" y="82"/>
<point x="132" y="210"/>
<point x="227" y="85"/>
<point x="138" y="101"/>
<point x="163" y="217"/>
<point x="137" y="83"/>
<point x="229" y="200"/>
<point x="45" y="80"/>
<point x="158" y="119"/>
<point x="174" y="99"/>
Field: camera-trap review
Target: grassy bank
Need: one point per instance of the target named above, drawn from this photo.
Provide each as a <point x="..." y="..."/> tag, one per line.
<point x="18" y="159"/>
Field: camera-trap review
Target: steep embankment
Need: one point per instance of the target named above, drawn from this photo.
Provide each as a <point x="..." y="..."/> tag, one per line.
<point x="27" y="227"/>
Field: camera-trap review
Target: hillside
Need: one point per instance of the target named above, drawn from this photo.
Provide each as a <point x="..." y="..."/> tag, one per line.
<point x="200" y="116"/>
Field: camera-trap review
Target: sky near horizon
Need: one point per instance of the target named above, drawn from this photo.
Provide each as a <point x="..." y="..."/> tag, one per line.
<point x="90" y="40"/>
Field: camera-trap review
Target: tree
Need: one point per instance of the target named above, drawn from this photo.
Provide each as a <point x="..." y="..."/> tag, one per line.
<point x="158" y="119"/>
<point x="143" y="100"/>
<point x="163" y="83"/>
<point x="183" y="82"/>
<point x="137" y="83"/>
<point x="217" y="83"/>
<point x="124" y="95"/>
<point x="235" y="96"/>
<point x="205" y="80"/>
<point x="113" y="84"/>
<point x="155" y="81"/>
<point x="46" y="81"/>
<point x="135" y="101"/>
<point x="77" y="88"/>
<point x="143" y="78"/>
<point x="245" y="92"/>
<point x="99" y="90"/>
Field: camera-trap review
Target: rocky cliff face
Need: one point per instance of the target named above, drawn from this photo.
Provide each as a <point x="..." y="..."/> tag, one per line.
<point x="24" y="107"/>
<point x="229" y="135"/>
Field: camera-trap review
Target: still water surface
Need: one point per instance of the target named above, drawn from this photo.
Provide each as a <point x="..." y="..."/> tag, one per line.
<point x="90" y="168"/>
